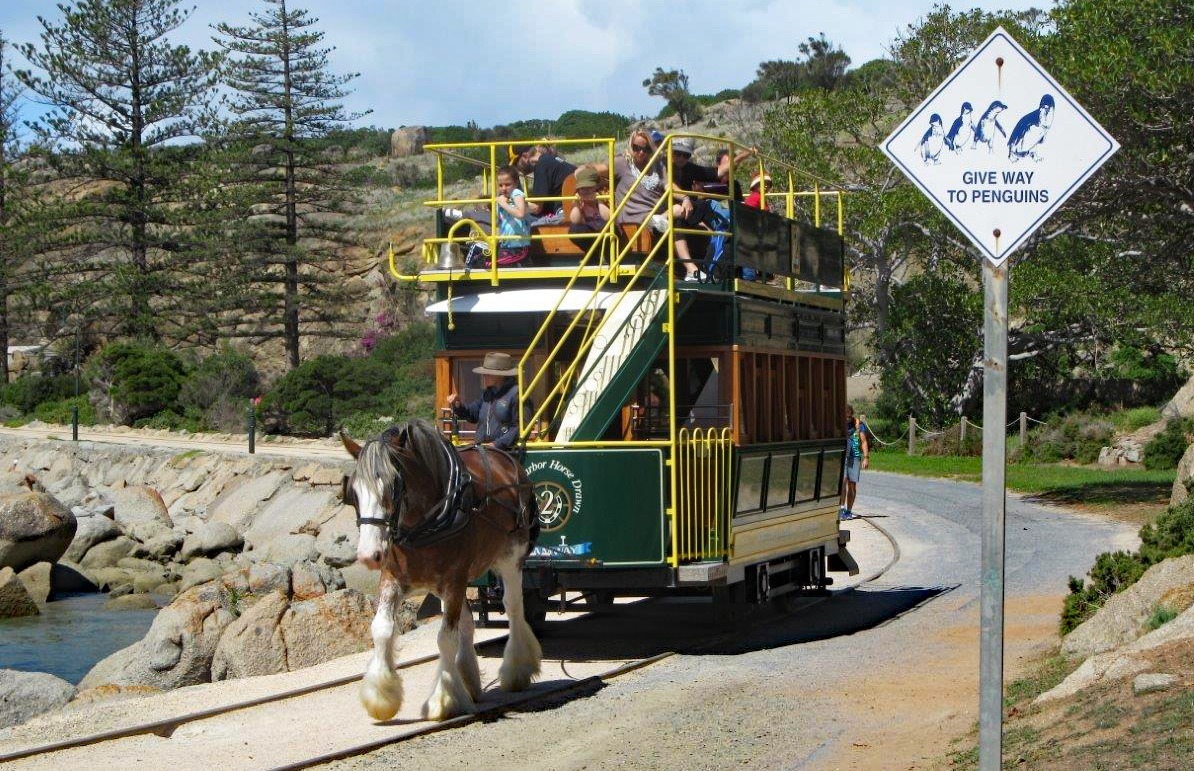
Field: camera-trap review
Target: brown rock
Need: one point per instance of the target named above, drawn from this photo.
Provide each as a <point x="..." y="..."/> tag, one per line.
<point x="408" y="141"/>
<point x="327" y="627"/>
<point x="111" y="693"/>
<point x="252" y="644"/>
<point x="37" y="581"/>
<point x="14" y="599"/>
<point x="327" y="476"/>
<point x="34" y="527"/>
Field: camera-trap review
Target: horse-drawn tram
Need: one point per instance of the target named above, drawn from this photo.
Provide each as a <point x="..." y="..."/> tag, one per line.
<point x="679" y="359"/>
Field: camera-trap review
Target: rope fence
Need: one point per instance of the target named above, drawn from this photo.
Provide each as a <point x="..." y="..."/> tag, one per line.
<point x="914" y="431"/>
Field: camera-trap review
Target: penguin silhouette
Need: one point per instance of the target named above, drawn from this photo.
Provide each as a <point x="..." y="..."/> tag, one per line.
<point x="1030" y="131"/>
<point x="932" y="141"/>
<point x="961" y="133"/>
<point x="984" y="132"/>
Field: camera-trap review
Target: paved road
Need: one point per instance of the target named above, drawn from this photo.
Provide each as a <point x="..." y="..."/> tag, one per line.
<point x="880" y="677"/>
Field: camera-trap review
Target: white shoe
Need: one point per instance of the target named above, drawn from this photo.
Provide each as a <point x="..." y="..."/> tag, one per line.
<point x="453" y="214"/>
<point x="698" y="276"/>
<point x="659" y="223"/>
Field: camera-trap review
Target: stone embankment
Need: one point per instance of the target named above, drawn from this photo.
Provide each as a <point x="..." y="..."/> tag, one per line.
<point x="257" y="553"/>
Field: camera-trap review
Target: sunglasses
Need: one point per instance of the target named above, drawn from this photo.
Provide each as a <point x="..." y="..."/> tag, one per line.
<point x="640" y="148"/>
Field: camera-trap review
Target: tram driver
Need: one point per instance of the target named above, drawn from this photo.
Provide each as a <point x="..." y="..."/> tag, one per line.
<point x="496" y="412"/>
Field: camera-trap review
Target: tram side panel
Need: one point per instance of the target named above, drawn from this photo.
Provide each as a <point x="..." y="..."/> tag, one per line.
<point x="599" y="508"/>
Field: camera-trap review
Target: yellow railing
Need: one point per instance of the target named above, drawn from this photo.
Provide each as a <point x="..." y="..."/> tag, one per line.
<point x="703" y="498"/>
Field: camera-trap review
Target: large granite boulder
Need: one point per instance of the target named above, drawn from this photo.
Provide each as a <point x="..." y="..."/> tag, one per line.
<point x="253" y="644"/>
<point x="34" y="527"/>
<point x="309" y="580"/>
<point x="1182" y="403"/>
<point x="1127" y="661"/>
<point x="408" y="141"/>
<point x="91" y="530"/>
<point x="178" y="648"/>
<point x="38" y="582"/>
<point x="279" y="634"/>
<point x="211" y="538"/>
<point x="141" y="508"/>
<point x="1184" y="481"/>
<point x="27" y="694"/>
<point x="107" y="554"/>
<point x="289" y="549"/>
<point x="14" y="597"/>
<point x="1123" y="618"/>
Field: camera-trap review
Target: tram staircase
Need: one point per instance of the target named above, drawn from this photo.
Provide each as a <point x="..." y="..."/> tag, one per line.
<point x="616" y="351"/>
<point x="625" y="345"/>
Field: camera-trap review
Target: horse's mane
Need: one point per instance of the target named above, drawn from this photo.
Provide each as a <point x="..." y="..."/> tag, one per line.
<point x="379" y="461"/>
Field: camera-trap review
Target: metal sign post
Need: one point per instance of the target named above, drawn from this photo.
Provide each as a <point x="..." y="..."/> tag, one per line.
<point x="998" y="147"/>
<point x="990" y="677"/>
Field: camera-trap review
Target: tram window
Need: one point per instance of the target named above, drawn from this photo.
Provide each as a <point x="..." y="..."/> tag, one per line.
<point x="779" y="481"/>
<point x="831" y="475"/>
<point x="751" y="473"/>
<point x="806" y="476"/>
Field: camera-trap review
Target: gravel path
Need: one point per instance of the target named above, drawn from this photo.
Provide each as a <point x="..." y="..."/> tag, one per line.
<point x="881" y="677"/>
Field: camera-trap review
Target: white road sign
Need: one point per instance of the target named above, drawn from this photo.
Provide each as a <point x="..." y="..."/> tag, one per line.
<point x="999" y="146"/>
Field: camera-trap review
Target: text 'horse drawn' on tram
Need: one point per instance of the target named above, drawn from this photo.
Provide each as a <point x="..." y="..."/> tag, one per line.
<point x="677" y="353"/>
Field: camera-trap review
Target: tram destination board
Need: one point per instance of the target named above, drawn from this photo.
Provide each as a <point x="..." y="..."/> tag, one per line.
<point x="598" y="507"/>
<point x="999" y="146"/>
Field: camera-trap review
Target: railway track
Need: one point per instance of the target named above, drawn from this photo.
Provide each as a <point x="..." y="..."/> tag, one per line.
<point x="323" y="722"/>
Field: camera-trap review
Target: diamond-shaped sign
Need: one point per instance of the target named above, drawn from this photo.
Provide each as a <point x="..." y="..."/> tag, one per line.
<point x="999" y="146"/>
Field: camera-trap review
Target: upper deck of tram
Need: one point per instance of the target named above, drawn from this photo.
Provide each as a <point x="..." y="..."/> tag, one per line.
<point x="778" y="250"/>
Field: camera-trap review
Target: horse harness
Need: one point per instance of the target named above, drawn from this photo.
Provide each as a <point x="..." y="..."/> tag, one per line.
<point x="453" y="512"/>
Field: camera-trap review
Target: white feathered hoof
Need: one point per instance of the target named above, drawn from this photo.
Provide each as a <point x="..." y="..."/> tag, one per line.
<point x="449" y="699"/>
<point x="520" y="665"/>
<point x="381" y="694"/>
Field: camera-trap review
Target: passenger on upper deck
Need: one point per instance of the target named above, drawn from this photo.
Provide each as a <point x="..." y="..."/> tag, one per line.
<point x="588" y="214"/>
<point x="693" y="211"/>
<point x="512" y="218"/>
<point x="550" y="171"/>
<point x="755" y="199"/>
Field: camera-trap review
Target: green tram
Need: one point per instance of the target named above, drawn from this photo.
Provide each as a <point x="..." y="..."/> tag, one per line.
<point x="684" y="437"/>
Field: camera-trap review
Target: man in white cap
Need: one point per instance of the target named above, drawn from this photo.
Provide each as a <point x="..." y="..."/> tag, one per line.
<point x="496" y="412"/>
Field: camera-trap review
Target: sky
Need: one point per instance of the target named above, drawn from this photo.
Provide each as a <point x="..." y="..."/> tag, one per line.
<point x="439" y="63"/>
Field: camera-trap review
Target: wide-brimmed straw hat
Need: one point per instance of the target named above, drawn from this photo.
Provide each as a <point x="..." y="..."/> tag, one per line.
<point x="497" y="364"/>
<point x="754" y="181"/>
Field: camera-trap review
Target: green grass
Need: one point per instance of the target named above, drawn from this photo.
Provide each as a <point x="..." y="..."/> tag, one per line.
<point x="1160" y="617"/>
<point x="1137" y="417"/>
<point x="1053" y="481"/>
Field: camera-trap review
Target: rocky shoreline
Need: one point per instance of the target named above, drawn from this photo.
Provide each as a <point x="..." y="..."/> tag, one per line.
<point x="257" y="554"/>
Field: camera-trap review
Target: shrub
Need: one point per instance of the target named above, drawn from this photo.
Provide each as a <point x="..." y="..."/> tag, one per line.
<point x="25" y="393"/>
<point x="170" y="420"/>
<point x="1165" y="450"/>
<point x="1112" y="572"/>
<point x="1077" y="437"/>
<point x="1172" y="535"/>
<point x="60" y="411"/>
<point x="312" y="399"/>
<point x="136" y="380"/>
<point x="1135" y="418"/>
<point x="1161" y="616"/>
<point x="219" y="389"/>
<point x="950" y="442"/>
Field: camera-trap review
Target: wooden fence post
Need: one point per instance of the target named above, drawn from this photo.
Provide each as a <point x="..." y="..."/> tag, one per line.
<point x="911" y="435"/>
<point x="962" y="440"/>
<point x="1023" y="428"/>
